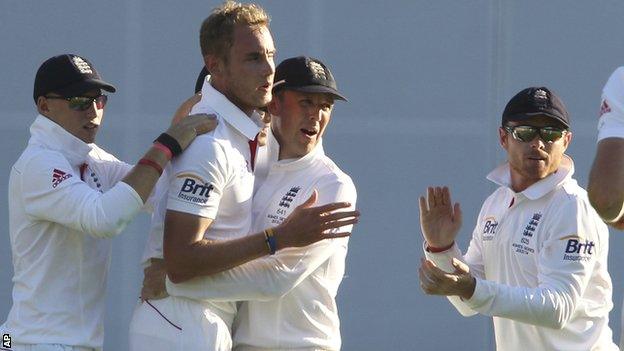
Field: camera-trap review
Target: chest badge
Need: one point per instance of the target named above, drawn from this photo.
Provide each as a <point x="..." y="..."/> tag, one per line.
<point x="289" y="197"/>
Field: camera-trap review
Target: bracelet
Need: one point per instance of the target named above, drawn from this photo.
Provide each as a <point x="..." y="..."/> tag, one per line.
<point x="150" y="163"/>
<point x="269" y="237"/>
<point x="158" y="145"/>
<point x="439" y="249"/>
<point x="170" y="142"/>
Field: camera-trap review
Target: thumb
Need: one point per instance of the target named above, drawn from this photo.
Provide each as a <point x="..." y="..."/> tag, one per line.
<point x="460" y="267"/>
<point x="311" y="200"/>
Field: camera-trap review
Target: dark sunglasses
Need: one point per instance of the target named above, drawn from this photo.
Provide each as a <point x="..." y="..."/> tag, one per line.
<point x="528" y="133"/>
<point x="83" y="103"/>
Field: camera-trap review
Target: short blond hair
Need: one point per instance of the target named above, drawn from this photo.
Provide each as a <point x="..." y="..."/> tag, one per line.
<point x="216" y="35"/>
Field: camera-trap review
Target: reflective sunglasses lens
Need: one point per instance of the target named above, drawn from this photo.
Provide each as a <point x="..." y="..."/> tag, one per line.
<point x="100" y="101"/>
<point x="80" y="103"/>
<point x="525" y="134"/>
<point x="550" y="135"/>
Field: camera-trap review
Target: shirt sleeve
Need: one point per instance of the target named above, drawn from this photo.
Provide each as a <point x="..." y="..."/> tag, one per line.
<point x="611" y="122"/>
<point x="200" y="177"/>
<point x="274" y="276"/>
<point x="566" y="261"/>
<point x="52" y="192"/>
<point x="473" y="258"/>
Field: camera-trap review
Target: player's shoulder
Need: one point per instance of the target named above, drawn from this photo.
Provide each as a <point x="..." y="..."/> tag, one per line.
<point x="36" y="157"/>
<point x="330" y="173"/>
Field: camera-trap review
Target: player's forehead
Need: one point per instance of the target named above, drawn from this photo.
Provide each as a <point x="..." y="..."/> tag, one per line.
<point x="254" y="39"/>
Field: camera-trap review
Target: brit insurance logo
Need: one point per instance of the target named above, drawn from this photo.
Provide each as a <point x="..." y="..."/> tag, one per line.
<point x="489" y="228"/>
<point x="289" y="197"/>
<point x="194" y="189"/>
<point x="578" y="249"/>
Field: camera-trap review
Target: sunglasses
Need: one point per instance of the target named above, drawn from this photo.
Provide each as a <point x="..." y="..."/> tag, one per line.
<point x="83" y="103"/>
<point x="528" y="133"/>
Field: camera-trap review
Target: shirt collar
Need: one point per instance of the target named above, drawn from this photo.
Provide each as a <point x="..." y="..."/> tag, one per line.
<point x="249" y="126"/>
<point x="501" y="176"/>
<point x="45" y="132"/>
<point x="291" y="163"/>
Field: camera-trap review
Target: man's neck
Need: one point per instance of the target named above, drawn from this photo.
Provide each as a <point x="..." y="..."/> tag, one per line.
<point x="220" y="86"/>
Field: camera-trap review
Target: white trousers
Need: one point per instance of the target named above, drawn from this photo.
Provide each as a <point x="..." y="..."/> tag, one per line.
<point x="175" y="323"/>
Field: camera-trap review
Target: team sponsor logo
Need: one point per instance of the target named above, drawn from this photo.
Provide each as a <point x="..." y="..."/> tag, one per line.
<point x="578" y="249"/>
<point x="289" y="197"/>
<point x="489" y="228"/>
<point x="58" y="177"/>
<point x="6" y="341"/>
<point x="604" y="107"/>
<point x="194" y="189"/>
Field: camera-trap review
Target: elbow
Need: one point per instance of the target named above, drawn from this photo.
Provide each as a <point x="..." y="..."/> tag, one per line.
<point x="106" y="230"/>
<point x="177" y="276"/>
<point x="607" y="202"/>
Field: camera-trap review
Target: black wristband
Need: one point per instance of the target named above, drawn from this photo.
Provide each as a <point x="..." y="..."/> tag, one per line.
<point x="170" y="142"/>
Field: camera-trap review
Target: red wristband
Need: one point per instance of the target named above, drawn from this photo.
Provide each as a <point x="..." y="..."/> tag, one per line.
<point x="150" y="163"/>
<point x="164" y="149"/>
<point x="438" y="249"/>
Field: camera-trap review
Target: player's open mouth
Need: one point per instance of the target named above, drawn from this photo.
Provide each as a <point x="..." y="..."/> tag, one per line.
<point x="309" y="132"/>
<point x="91" y="126"/>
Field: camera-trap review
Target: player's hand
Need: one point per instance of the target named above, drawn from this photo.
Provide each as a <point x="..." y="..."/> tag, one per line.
<point x="185" y="109"/>
<point x="435" y="281"/>
<point x="440" y="220"/>
<point x="189" y="127"/>
<point x="307" y="224"/>
<point x="154" y="286"/>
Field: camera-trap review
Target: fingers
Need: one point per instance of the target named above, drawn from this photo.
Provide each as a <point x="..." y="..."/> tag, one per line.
<point x="337" y="235"/>
<point x="202" y="123"/>
<point x="340" y="215"/>
<point x="460" y="267"/>
<point x="446" y="196"/>
<point x="338" y="224"/>
<point x="185" y="109"/>
<point x="430" y="197"/>
<point x="457" y="213"/>
<point x="331" y="207"/>
<point x="422" y="206"/>
<point x="310" y="201"/>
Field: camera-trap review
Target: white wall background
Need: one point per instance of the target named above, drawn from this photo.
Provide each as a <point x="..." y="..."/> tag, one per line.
<point x="427" y="81"/>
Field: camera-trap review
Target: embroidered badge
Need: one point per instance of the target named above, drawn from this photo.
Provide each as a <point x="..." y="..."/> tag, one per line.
<point x="82" y="65"/>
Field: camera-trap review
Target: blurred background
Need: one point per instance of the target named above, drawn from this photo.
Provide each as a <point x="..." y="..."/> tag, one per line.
<point x="427" y="82"/>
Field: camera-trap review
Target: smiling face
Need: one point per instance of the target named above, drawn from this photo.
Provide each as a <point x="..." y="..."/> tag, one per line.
<point x="84" y="125"/>
<point x="533" y="160"/>
<point x="299" y="120"/>
<point x="245" y="76"/>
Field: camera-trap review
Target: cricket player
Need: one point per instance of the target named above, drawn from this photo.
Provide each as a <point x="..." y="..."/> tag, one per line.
<point x="67" y="196"/>
<point x="289" y="298"/>
<point x="606" y="179"/>
<point x="537" y="260"/>
<point x="208" y="208"/>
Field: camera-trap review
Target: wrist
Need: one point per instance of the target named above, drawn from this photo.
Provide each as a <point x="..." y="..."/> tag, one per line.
<point x="169" y="142"/>
<point x="438" y="247"/>
<point x="467" y="287"/>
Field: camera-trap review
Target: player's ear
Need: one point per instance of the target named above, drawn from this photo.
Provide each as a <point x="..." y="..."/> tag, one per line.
<point x="214" y="64"/>
<point x="273" y="106"/>
<point x="42" y="105"/>
<point x="502" y="137"/>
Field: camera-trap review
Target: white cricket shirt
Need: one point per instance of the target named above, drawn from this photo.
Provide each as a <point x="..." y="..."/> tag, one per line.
<point x="58" y="225"/>
<point x="213" y="179"/>
<point x="541" y="266"/>
<point x="611" y="122"/>
<point x="290" y="296"/>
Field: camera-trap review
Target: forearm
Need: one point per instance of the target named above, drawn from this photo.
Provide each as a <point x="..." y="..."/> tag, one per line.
<point x="206" y="257"/>
<point x="606" y="179"/>
<point x="143" y="177"/>
<point x="541" y="306"/>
